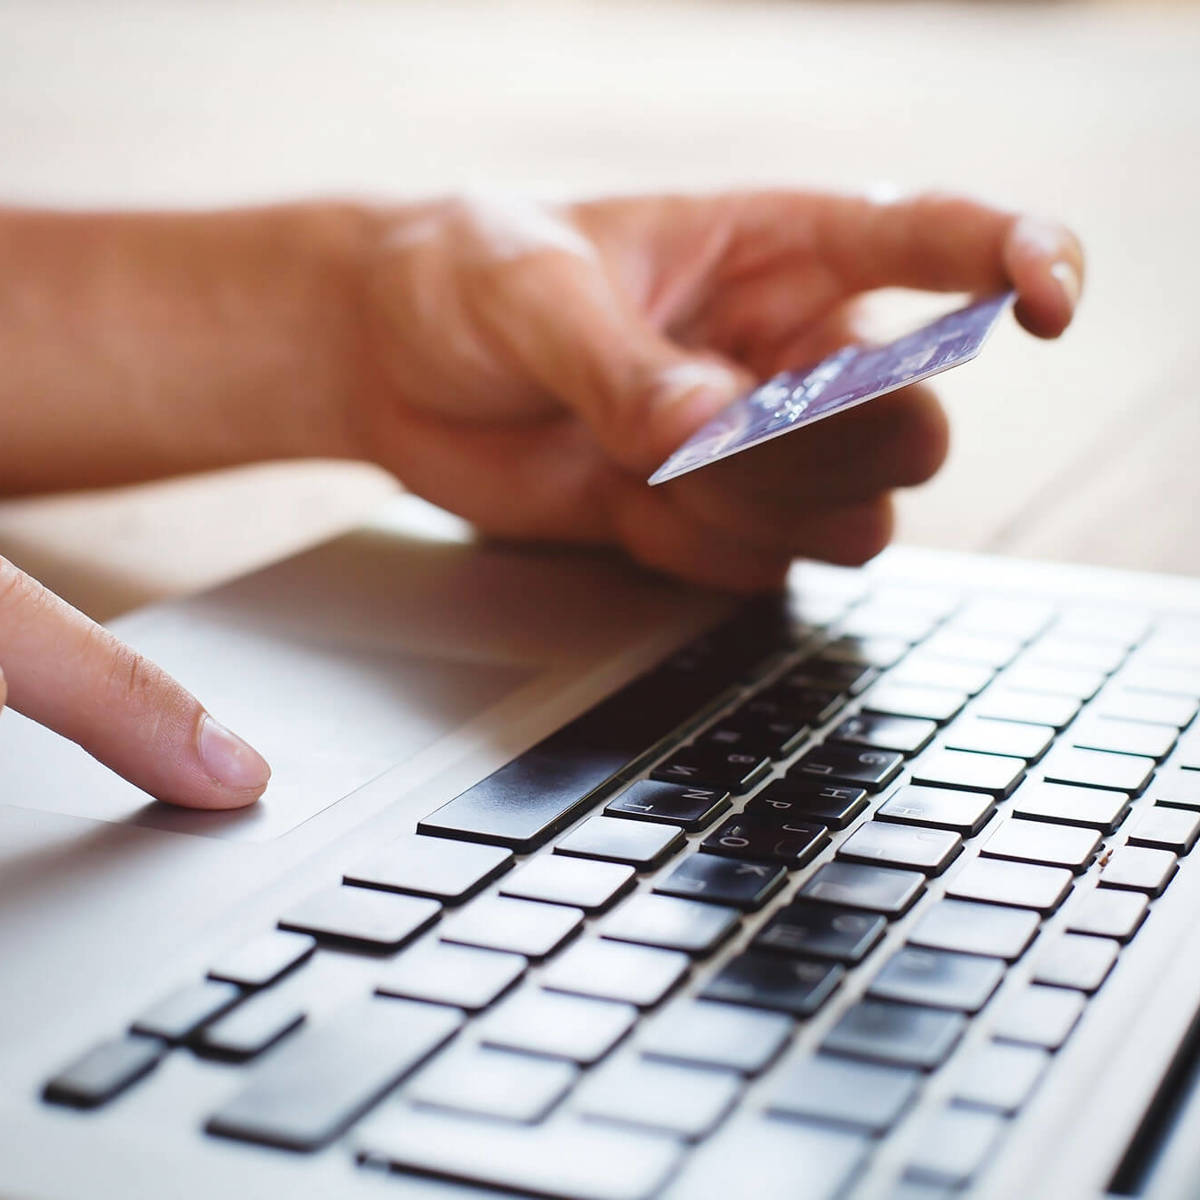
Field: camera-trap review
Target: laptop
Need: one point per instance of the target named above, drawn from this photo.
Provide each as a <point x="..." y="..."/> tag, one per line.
<point x="577" y="883"/>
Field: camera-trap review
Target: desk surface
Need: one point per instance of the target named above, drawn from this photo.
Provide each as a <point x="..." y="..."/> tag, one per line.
<point x="1084" y="450"/>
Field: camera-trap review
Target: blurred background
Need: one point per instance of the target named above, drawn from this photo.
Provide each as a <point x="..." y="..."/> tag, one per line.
<point x="1085" y="450"/>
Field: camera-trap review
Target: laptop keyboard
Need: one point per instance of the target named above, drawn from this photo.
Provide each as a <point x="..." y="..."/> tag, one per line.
<point x="733" y="919"/>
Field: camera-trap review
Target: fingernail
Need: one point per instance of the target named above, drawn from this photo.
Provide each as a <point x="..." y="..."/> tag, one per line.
<point x="230" y="761"/>
<point x="1068" y="280"/>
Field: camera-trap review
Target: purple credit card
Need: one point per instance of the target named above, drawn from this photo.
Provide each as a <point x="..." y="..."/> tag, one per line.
<point x="850" y="376"/>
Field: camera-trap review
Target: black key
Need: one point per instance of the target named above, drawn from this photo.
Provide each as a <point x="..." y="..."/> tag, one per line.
<point x="994" y="774"/>
<point x="264" y="960"/>
<point x="797" y="700"/>
<point x="876" y="889"/>
<point x="908" y="700"/>
<point x="773" y="738"/>
<point x="574" y="1028"/>
<point x="863" y="1095"/>
<point x="104" y="1072"/>
<point x="1173" y="829"/>
<point x="938" y="808"/>
<point x="317" y="1084"/>
<point x="793" y="845"/>
<point x="831" y="674"/>
<point x="715" y="880"/>
<point x="580" y="883"/>
<point x="362" y="917"/>
<point x="987" y="929"/>
<point x="1123" y="737"/>
<point x="642" y="844"/>
<point x="1093" y="768"/>
<point x="566" y="1160"/>
<point x="493" y="1083"/>
<point x="251" y="1028"/>
<point x="951" y="1148"/>
<point x="671" y="923"/>
<point x="1068" y="846"/>
<point x="461" y="976"/>
<point x="869" y="769"/>
<point x="1038" y="1016"/>
<point x="905" y="735"/>
<point x="1001" y="1077"/>
<point x="822" y="931"/>
<point x="717" y="1035"/>
<point x="1109" y="913"/>
<point x="1008" y="704"/>
<point x="1090" y="807"/>
<point x="713" y="767"/>
<point x="776" y="982"/>
<point x="518" y="926"/>
<point x="688" y="807"/>
<point x="629" y="974"/>
<point x="1139" y="869"/>
<point x="938" y="979"/>
<point x="427" y="866"/>
<point x="1075" y="961"/>
<point x="804" y="800"/>
<point x="994" y="881"/>
<point x="879" y="652"/>
<point x="985" y="735"/>
<point x="927" y="850"/>
<point x="183" y="1012"/>
<point x="902" y="1035"/>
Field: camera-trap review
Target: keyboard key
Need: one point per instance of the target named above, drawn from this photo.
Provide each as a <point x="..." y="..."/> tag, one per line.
<point x="267" y="958"/>
<point x="639" y="975"/>
<point x="1093" y="808"/>
<point x="713" y="767"/>
<point x="985" y="735"/>
<point x="362" y="917"/>
<point x="938" y="808"/>
<point x="876" y="889"/>
<point x="908" y="700"/>
<point x="792" y="700"/>
<point x="1176" y="789"/>
<point x="869" y="769"/>
<point x="1109" y="913"/>
<point x="867" y="651"/>
<point x="1127" y="705"/>
<point x="926" y="670"/>
<point x="642" y="844"/>
<point x="1008" y="704"/>
<point x="1119" y="626"/>
<point x="104" y="1072"/>
<point x="991" y="773"/>
<point x="580" y="883"/>
<point x="1068" y="846"/>
<point x="994" y="651"/>
<point x="889" y="620"/>
<point x="988" y="929"/>
<point x="518" y="926"/>
<point x="1075" y="961"/>
<point x="831" y="674"/>
<point x="1160" y="828"/>
<point x="1123" y="737"/>
<point x="808" y="800"/>
<point x="1169" y="680"/>
<point x="574" y="1028"/>
<point x="1001" y="1077"/>
<point x="744" y="885"/>
<point x="1038" y="1016"/>
<point x="1139" y="869"/>
<point x="760" y="840"/>
<point x="864" y="1095"/>
<point x="254" y="1026"/>
<point x="775" y="982"/>
<point x="901" y="734"/>
<point x="822" y="931"/>
<point x="938" y="979"/>
<point x="685" y="1101"/>
<point x="901" y="1035"/>
<point x="755" y="735"/>
<point x="1010" y="616"/>
<point x="717" y="1035"/>
<point x="671" y="923"/>
<point x="430" y="866"/>
<point x="1078" y="683"/>
<point x="771" y="1159"/>
<point x="493" y="1083"/>
<point x="1058" y="649"/>
<point x="460" y="976"/>
<point x="1021" y="885"/>
<point x="953" y="1146"/>
<point x="183" y="1012"/>
<point x="318" y="1083"/>
<point x="927" y="850"/>
<point x="689" y="808"/>
<point x="1093" y="768"/>
<point x="565" y="1160"/>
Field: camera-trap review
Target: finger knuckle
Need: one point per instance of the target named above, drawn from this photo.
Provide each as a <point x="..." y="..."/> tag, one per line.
<point x="17" y="590"/>
<point x="133" y="680"/>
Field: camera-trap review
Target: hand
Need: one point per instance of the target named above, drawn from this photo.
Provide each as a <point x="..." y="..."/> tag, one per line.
<point x="528" y="367"/>
<point x="67" y="673"/>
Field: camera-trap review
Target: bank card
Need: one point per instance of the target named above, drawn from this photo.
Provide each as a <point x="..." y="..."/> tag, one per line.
<point x="852" y="375"/>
